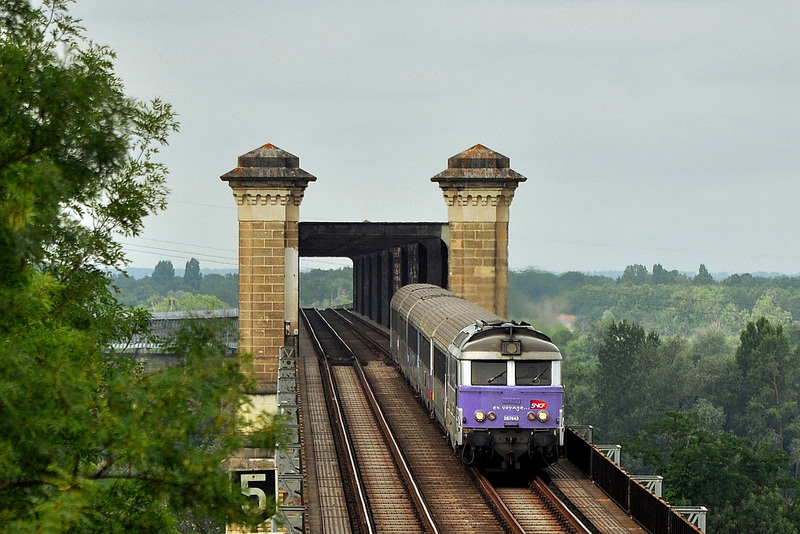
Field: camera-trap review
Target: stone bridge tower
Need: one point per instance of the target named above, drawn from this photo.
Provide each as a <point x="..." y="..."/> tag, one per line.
<point x="268" y="186"/>
<point x="478" y="187"/>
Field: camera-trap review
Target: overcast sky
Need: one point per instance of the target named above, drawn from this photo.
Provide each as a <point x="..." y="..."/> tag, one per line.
<point x="658" y="131"/>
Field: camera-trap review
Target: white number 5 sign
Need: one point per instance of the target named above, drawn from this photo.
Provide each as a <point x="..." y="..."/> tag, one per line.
<point x="250" y="491"/>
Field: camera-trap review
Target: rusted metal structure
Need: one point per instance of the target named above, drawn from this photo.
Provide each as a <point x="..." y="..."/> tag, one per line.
<point x="386" y="256"/>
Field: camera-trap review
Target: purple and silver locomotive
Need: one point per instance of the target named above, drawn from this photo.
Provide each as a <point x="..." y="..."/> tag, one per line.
<point x="493" y="385"/>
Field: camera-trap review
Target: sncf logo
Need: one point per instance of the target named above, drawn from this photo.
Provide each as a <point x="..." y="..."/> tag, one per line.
<point x="538" y="405"/>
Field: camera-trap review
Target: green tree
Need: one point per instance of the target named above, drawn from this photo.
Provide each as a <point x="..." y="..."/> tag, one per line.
<point x="793" y="333"/>
<point x="671" y="376"/>
<point x="164" y="273"/>
<point x="742" y="483"/>
<point x="88" y="442"/>
<point x="703" y="277"/>
<point x="626" y="359"/>
<point x="746" y="279"/>
<point x="766" y="307"/>
<point x="192" y="277"/>
<point x="580" y="392"/>
<point x="636" y="274"/>
<point x="662" y="276"/>
<point x="182" y="301"/>
<point x="770" y="375"/>
<point x="73" y="147"/>
<point x="224" y="287"/>
<point x="321" y="288"/>
<point x="717" y="378"/>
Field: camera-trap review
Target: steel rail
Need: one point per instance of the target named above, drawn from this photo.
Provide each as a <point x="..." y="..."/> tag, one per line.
<point x="497" y="502"/>
<point x="353" y="317"/>
<point x="450" y="506"/>
<point x="570" y="518"/>
<point x="362" y="507"/>
<point x="405" y="470"/>
<point x="349" y="317"/>
<point x="416" y="494"/>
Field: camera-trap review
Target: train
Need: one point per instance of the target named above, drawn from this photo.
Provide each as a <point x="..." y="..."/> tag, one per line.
<point x="493" y="385"/>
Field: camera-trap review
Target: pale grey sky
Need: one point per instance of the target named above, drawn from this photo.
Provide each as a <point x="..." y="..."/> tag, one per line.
<point x="659" y="131"/>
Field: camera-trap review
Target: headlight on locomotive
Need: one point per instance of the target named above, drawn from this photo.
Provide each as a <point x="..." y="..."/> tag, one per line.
<point x="491" y="416"/>
<point x="543" y="416"/>
<point x="480" y="416"/>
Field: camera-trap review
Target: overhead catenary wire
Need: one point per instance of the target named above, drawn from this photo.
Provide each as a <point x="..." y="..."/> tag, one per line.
<point x="192" y="253"/>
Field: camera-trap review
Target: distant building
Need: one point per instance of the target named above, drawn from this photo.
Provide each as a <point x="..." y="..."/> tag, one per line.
<point x="567" y="321"/>
<point x="149" y="349"/>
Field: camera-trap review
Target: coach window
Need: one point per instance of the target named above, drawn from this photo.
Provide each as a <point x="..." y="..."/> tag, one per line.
<point x="424" y="355"/>
<point x="491" y="373"/>
<point x="411" y="339"/>
<point x="533" y="373"/>
<point x="401" y="332"/>
<point x="439" y="364"/>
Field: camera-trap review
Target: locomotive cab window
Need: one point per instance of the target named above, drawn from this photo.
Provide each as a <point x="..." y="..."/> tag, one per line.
<point x="533" y="373"/>
<point x="491" y="373"/>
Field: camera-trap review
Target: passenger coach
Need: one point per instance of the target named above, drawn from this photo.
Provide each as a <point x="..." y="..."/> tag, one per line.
<point x="493" y="385"/>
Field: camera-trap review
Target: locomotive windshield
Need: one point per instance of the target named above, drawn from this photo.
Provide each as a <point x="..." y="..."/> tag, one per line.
<point x="533" y="373"/>
<point x="526" y="373"/>
<point x="492" y="373"/>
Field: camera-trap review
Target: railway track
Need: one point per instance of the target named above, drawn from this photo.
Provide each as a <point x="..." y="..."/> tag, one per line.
<point x="533" y="508"/>
<point x="460" y="499"/>
<point x="382" y="492"/>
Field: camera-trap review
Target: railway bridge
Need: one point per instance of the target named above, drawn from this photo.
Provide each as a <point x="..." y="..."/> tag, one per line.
<point x="468" y="255"/>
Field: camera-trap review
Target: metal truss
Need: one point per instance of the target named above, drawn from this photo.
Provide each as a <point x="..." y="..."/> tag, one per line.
<point x="291" y="507"/>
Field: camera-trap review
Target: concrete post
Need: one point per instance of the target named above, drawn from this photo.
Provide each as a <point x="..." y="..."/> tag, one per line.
<point x="268" y="186"/>
<point x="478" y="187"/>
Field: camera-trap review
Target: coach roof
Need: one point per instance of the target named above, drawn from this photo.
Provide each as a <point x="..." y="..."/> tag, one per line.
<point x="448" y="319"/>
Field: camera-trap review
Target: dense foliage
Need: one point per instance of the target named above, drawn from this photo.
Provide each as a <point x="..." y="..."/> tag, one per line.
<point x="696" y="378"/>
<point x="163" y="290"/>
<point x="743" y="484"/>
<point x="667" y="302"/>
<point x="326" y="288"/>
<point x="89" y="442"/>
